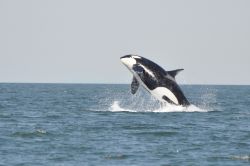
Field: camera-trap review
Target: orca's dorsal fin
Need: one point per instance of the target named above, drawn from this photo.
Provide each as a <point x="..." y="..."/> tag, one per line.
<point x="134" y="85"/>
<point x="173" y="73"/>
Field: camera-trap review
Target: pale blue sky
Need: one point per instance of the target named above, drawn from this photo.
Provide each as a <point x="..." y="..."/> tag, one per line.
<point x="79" y="41"/>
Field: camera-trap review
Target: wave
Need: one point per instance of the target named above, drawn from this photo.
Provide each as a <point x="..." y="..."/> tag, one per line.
<point x="30" y="134"/>
<point x="116" y="107"/>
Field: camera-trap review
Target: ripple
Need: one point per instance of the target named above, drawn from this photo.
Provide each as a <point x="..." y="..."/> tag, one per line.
<point x="26" y="134"/>
<point x="157" y="133"/>
<point x="116" y="157"/>
<point x="139" y="127"/>
<point x="1" y="106"/>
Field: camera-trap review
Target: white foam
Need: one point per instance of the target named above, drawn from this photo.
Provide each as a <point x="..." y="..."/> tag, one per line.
<point x="175" y="108"/>
<point x="246" y="157"/>
<point x="115" y="107"/>
<point x="41" y="131"/>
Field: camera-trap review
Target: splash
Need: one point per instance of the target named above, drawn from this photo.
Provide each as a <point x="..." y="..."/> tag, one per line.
<point x="116" y="107"/>
<point x="142" y="101"/>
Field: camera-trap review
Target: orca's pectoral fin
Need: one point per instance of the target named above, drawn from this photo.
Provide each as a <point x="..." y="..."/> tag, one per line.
<point x="173" y="73"/>
<point x="134" y="85"/>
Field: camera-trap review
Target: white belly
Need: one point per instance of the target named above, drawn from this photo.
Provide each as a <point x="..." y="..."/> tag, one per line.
<point x="161" y="91"/>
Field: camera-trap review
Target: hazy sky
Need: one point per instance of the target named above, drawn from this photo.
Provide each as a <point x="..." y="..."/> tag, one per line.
<point x="81" y="41"/>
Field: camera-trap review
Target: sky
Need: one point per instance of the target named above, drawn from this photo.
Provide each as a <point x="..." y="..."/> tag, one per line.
<point x="81" y="41"/>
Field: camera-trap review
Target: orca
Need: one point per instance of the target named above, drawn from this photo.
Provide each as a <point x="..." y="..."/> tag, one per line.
<point x="160" y="83"/>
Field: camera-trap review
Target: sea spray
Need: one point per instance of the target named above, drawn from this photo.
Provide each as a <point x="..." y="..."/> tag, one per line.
<point x="116" y="107"/>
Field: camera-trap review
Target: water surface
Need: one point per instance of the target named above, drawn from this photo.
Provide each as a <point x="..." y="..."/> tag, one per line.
<point x="71" y="124"/>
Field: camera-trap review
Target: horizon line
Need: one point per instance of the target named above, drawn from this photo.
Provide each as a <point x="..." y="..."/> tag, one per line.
<point x="107" y="83"/>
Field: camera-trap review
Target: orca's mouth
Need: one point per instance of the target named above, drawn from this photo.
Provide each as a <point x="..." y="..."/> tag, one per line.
<point x="123" y="60"/>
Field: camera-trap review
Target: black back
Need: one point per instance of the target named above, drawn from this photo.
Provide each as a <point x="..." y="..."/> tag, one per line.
<point x="161" y="79"/>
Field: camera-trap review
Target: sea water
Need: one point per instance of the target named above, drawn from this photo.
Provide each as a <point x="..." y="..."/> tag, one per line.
<point x="88" y="124"/>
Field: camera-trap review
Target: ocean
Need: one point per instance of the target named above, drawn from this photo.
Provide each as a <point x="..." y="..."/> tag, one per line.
<point x="98" y="124"/>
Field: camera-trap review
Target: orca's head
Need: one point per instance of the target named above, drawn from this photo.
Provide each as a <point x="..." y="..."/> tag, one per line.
<point x="141" y="65"/>
<point x="130" y="60"/>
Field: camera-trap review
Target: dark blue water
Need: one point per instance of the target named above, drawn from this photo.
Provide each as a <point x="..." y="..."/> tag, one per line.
<point x="61" y="124"/>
